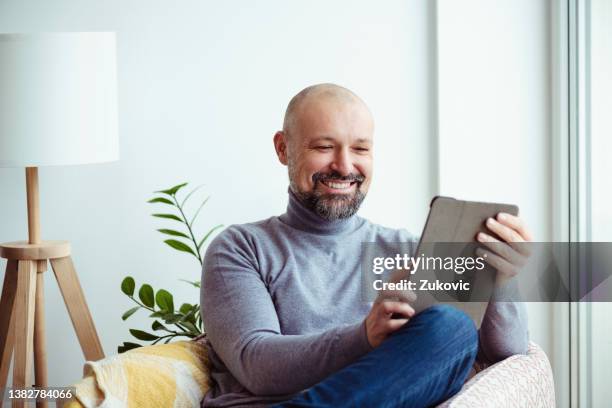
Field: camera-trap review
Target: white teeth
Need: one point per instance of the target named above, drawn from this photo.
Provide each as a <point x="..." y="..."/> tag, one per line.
<point x="338" y="186"/>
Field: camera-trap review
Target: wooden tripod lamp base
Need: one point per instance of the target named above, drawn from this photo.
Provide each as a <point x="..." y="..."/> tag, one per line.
<point x="22" y="324"/>
<point x="22" y="317"/>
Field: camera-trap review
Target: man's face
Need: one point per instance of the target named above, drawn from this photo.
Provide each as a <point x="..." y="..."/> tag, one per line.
<point x="329" y="155"/>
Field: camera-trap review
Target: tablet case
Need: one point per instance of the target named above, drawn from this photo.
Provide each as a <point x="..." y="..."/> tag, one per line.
<point x="452" y="220"/>
<point x="458" y="221"/>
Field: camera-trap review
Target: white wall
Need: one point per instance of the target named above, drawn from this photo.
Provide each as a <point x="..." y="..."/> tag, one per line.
<point x="494" y="101"/>
<point x="202" y="87"/>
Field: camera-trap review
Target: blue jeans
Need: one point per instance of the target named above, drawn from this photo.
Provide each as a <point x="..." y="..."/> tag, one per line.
<point x="422" y="364"/>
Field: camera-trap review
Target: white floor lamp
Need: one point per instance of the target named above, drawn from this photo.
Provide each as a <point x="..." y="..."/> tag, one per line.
<point x="58" y="106"/>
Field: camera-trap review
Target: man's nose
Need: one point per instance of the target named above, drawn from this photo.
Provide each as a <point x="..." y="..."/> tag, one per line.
<point x="342" y="162"/>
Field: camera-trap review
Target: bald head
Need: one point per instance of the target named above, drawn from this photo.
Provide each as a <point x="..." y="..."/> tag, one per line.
<point x="316" y="94"/>
<point x="326" y="143"/>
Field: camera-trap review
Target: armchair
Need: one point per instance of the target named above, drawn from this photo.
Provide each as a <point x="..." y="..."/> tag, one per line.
<point x="176" y="374"/>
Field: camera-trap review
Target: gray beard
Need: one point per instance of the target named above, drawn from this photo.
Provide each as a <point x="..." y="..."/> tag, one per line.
<point x="331" y="207"/>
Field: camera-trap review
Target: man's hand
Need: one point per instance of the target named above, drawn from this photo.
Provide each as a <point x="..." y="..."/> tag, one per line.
<point x="379" y="323"/>
<point x="509" y="255"/>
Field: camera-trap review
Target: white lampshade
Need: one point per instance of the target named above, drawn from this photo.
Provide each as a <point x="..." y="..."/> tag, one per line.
<point x="58" y="99"/>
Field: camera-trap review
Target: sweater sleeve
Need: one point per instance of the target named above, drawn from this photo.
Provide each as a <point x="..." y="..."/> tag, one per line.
<point x="504" y="327"/>
<point x="244" y="330"/>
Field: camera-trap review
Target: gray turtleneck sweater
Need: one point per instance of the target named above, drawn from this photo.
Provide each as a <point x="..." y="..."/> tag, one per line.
<point x="282" y="306"/>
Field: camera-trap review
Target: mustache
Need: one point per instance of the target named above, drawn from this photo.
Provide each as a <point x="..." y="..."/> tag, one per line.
<point x="337" y="176"/>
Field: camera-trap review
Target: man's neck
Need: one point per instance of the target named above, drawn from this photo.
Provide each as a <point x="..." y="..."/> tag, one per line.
<point x="301" y="217"/>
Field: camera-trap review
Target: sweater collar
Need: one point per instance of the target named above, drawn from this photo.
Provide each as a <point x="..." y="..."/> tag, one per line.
<point x="302" y="218"/>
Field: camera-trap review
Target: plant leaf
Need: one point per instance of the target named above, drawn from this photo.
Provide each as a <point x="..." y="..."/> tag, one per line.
<point x="198" y="211"/>
<point x="185" y="308"/>
<point x="143" y="335"/>
<point x="213" y="229"/>
<point x="164" y="300"/>
<point x="168" y="340"/>
<point x="190" y="314"/>
<point x="173" y="233"/>
<point x="158" y="326"/>
<point x="146" y="295"/>
<point x="180" y="246"/>
<point x="159" y="313"/>
<point x="191" y="327"/>
<point x="127" y="286"/>
<point x="190" y="194"/>
<point x="127" y="346"/>
<point x="129" y="312"/>
<point x="197" y="284"/>
<point x="172" y="190"/>
<point x="160" y="200"/>
<point x="168" y="216"/>
<point x="172" y="318"/>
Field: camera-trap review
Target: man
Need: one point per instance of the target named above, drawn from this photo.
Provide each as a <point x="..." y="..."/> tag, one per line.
<point x="281" y="298"/>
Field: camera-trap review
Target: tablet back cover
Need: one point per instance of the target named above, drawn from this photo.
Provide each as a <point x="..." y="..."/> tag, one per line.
<point x="458" y="221"/>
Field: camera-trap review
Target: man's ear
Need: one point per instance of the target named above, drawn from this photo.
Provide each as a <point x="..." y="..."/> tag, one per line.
<point x="280" y="145"/>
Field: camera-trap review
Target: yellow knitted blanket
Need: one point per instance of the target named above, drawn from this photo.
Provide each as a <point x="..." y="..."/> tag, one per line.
<point x="168" y="375"/>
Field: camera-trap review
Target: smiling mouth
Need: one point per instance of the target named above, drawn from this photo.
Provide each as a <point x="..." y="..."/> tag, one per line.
<point x="338" y="185"/>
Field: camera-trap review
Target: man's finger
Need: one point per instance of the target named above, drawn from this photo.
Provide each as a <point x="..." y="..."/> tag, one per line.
<point x="504" y="267"/>
<point x="502" y="249"/>
<point x="402" y="308"/>
<point x="515" y="223"/>
<point x="509" y="235"/>
<point x="503" y="231"/>
<point x="395" y="324"/>
<point x="398" y="295"/>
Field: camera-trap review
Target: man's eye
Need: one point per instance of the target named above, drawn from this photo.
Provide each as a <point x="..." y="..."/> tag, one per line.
<point x="323" y="147"/>
<point x="362" y="149"/>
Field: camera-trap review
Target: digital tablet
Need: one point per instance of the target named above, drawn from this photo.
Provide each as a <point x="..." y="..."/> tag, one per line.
<point x="458" y="222"/>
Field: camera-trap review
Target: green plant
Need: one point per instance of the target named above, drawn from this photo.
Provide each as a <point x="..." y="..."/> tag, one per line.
<point x="186" y="320"/>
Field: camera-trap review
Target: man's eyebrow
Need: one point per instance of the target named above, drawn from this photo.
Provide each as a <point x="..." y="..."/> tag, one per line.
<point x="321" y="138"/>
<point x="331" y="139"/>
